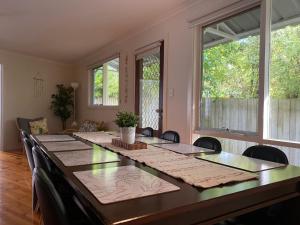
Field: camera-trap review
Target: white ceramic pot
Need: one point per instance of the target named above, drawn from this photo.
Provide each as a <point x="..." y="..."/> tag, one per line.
<point x="127" y="134"/>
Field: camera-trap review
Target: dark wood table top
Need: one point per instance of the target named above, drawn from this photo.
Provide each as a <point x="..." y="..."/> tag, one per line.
<point x="184" y="148"/>
<point x="240" y="162"/>
<point x="189" y="205"/>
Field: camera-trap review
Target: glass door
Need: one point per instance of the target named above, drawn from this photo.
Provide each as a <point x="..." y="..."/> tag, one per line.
<point x="149" y="88"/>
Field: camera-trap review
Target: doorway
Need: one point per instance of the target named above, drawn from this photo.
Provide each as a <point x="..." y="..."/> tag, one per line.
<point x="149" y="87"/>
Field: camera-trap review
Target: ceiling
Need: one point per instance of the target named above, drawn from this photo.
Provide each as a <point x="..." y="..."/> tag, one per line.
<point x="67" y="30"/>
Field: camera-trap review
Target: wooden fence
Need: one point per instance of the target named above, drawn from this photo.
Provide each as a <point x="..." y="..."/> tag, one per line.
<point x="110" y="101"/>
<point x="241" y="114"/>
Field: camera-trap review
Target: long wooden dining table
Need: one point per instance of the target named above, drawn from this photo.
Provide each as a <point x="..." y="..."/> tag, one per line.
<point x="189" y="204"/>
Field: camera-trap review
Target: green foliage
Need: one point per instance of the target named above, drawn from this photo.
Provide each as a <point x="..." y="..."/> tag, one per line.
<point x="231" y="69"/>
<point x="285" y="63"/>
<point x="62" y="103"/>
<point x="151" y="71"/>
<point x="126" y="119"/>
<point x="113" y="83"/>
<point x="98" y="83"/>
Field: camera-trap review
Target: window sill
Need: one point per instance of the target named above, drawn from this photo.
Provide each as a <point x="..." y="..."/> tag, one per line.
<point x="250" y="137"/>
<point x="284" y="143"/>
<point x="105" y="107"/>
<point x="244" y="136"/>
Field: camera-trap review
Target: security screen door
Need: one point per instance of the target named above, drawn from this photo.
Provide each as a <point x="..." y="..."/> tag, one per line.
<point x="149" y="87"/>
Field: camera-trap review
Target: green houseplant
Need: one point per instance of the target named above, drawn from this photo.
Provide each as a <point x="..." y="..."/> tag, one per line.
<point x="62" y="103"/>
<point x="127" y="121"/>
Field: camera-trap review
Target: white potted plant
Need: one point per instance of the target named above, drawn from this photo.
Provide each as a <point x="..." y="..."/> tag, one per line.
<point x="127" y="121"/>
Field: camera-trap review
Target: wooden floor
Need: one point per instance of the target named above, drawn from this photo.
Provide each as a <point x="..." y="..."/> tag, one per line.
<point x="15" y="190"/>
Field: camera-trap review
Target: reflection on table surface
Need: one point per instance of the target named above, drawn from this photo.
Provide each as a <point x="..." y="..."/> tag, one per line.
<point x="153" y="140"/>
<point x="184" y="148"/>
<point x="240" y="162"/>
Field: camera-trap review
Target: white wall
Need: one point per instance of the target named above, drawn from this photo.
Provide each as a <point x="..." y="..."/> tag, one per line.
<point x="18" y="94"/>
<point x="178" y="37"/>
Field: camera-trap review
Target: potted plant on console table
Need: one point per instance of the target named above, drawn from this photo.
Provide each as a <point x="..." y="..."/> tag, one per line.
<point x="127" y="121"/>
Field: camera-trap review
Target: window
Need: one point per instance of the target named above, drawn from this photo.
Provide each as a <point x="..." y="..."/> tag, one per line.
<point x="249" y="87"/>
<point x="230" y="58"/>
<point x="284" y="79"/>
<point x="105" y="84"/>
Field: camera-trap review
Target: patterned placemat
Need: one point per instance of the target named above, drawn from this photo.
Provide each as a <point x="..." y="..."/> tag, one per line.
<point x="66" y="146"/>
<point x="196" y="172"/>
<point x="116" y="184"/>
<point x="96" y="137"/>
<point x="50" y="137"/>
<point x="76" y="158"/>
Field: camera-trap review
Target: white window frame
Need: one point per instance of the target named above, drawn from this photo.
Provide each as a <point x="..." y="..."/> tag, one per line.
<point x="91" y="83"/>
<point x="261" y="137"/>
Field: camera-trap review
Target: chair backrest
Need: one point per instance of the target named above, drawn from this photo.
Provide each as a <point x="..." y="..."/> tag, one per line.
<point x="171" y="136"/>
<point x="267" y="153"/>
<point x="209" y="142"/>
<point x="41" y="160"/>
<point x="51" y="205"/>
<point x="25" y="134"/>
<point x="148" y="132"/>
<point x="28" y="145"/>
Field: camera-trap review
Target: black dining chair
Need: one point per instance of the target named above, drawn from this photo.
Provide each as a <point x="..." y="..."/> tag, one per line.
<point x="209" y="142"/>
<point x="53" y="208"/>
<point x="148" y="132"/>
<point x="51" y="205"/>
<point x="28" y="150"/>
<point x="28" y="146"/>
<point x="267" y="153"/>
<point x="271" y="214"/>
<point x="171" y="135"/>
<point x="41" y="160"/>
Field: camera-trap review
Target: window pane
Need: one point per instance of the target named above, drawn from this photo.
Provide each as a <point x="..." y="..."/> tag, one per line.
<point x="97" y="85"/>
<point x="293" y="154"/>
<point x="105" y="84"/>
<point x="284" y="87"/>
<point x="149" y="91"/>
<point x="230" y="73"/>
<point x="112" y="91"/>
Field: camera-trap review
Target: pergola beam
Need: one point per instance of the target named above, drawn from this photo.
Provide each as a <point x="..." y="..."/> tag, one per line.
<point x="275" y="26"/>
<point x="227" y="28"/>
<point x="220" y="33"/>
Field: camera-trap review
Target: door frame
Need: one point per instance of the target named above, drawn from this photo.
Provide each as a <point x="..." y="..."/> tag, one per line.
<point x="1" y="108"/>
<point x="138" y="73"/>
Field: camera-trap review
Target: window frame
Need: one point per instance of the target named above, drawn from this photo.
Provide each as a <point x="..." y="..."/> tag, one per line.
<point x="261" y="136"/>
<point x="91" y="69"/>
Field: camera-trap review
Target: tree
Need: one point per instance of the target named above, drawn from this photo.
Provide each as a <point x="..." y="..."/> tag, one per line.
<point x="113" y="83"/>
<point x="231" y="69"/>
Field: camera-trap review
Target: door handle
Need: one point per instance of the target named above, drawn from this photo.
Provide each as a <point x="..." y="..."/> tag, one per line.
<point x="159" y="111"/>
